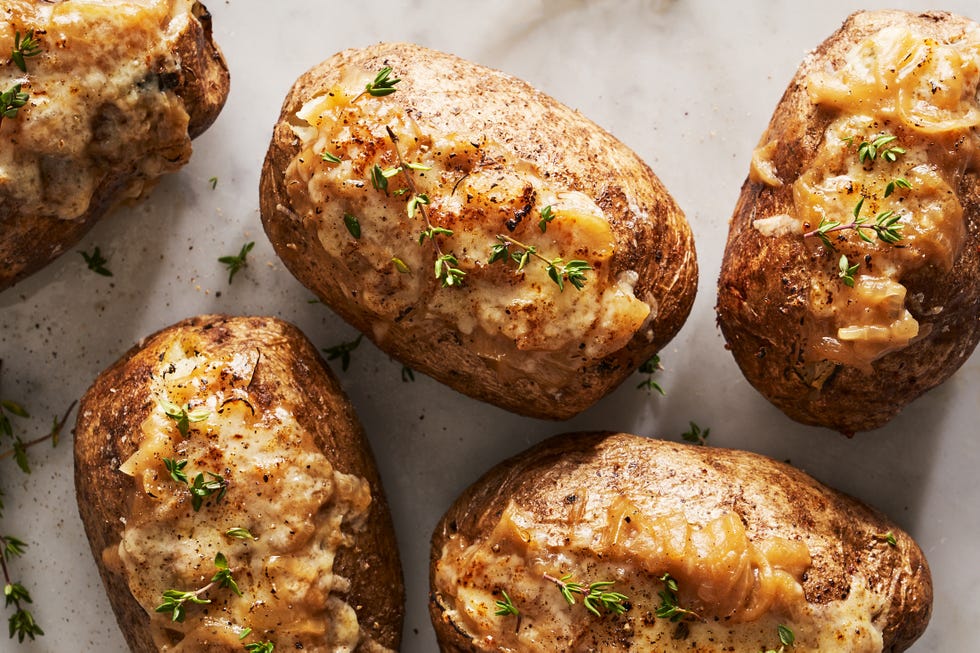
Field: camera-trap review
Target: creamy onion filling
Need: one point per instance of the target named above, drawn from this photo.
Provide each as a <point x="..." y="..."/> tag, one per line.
<point x="738" y="589"/>
<point x="477" y="189"/>
<point x="99" y="105"/>
<point x="297" y="510"/>
<point x="924" y="92"/>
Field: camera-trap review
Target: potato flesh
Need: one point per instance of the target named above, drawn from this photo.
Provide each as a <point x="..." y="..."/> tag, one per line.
<point x="282" y="489"/>
<point x="94" y="107"/>
<point x="897" y="82"/>
<point x="742" y="589"/>
<point x="521" y="321"/>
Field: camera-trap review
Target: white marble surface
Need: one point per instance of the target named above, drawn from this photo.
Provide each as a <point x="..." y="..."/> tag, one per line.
<point x="689" y="84"/>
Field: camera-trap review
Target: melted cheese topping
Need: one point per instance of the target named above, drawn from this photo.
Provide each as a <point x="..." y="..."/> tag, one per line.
<point x="925" y="92"/>
<point x="741" y="589"/>
<point x="100" y="105"/>
<point x="280" y="487"/>
<point x="477" y="189"/>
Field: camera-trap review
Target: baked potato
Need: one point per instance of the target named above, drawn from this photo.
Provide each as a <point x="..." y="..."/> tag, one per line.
<point x="219" y="461"/>
<point x="474" y="228"/>
<point x="851" y="278"/>
<point x="613" y="542"/>
<point x="111" y="93"/>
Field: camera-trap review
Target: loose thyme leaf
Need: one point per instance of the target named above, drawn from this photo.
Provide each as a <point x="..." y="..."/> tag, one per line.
<point x="408" y="375"/>
<point x="378" y="179"/>
<point x="330" y="157"/>
<point x="14" y="408"/>
<point x="236" y="263"/>
<point x="96" y="262"/>
<point x="240" y="534"/>
<point x="260" y="647"/>
<point x="846" y="272"/>
<point x="547" y="215"/>
<point x="400" y="265"/>
<point x="888" y="538"/>
<point x="214" y="182"/>
<point x="353" y="225"/>
<point x="786" y="635"/>
<point x="223" y="577"/>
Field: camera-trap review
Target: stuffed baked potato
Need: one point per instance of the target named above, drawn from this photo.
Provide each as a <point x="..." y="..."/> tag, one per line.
<point x="474" y="228"/>
<point x="223" y="447"/>
<point x="851" y="278"/>
<point x="102" y="99"/>
<point x="612" y="542"/>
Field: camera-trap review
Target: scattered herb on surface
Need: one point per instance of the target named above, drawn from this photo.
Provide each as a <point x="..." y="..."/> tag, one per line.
<point x="786" y="638"/>
<point x="594" y="596"/>
<point x="343" y="351"/>
<point x="669" y="607"/>
<point x="506" y="607"/>
<point x="11" y="102"/>
<point x="174" y="601"/>
<point x="214" y="182"/>
<point x="695" y="434"/>
<point x="236" y="263"/>
<point x="353" y="225"/>
<point x="547" y="215"/>
<point x="329" y="157"/>
<point x="184" y="416"/>
<point x="240" y="534"/>
<point x="885" y="226"/>
<point x="898" y="182"/>
<point x="558" y="270"/>
<point x="408" y="374"/>
<point x="846" y="271"/>
<point x="96" y="262"/>
<point x="651" y="367"/>
<point x="260" y="647"/>
<point x="380" y="86"/>
<point x="868" y="151"/>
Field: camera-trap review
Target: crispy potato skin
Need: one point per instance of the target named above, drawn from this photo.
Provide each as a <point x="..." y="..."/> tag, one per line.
<point x="29" y="242"/>
<point x="576" y="154"/>
<point x="291" y="374"/>
<point x="762" y="291"/>
<point x="772" y="498"/>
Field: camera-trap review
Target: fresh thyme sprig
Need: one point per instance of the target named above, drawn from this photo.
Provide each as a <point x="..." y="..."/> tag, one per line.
<point x="868" y="151"/>
<point x="175" y="601"/>
<point x="547" y="215"/>
<point x="651" y="367"/>
<point x="886" y="227"/>
<point x="343" y="351"/>
<point x="380" y="86"/>
<point x="25" y="47"/>
<point x="594" y="596"/>
<point x="11" y="102"/>
<point x="558" y="270"/>
<point x="200" y="488"/>
<point x="19" y="448"/>
<point x="506" y="607"/>
<point x="696" y="434"/>
<point x="236" y="263"/>
<point x="669" y="607"/>
<point x="184" y="416"/>
<point x="96" y="262"/>
<point x="446" y="266"/>
<point x="898" y="182"/>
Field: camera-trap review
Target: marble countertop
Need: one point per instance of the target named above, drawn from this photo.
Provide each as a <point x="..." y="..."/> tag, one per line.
<point x="688" y="84"/>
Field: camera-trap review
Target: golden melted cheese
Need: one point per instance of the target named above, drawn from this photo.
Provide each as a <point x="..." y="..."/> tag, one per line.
<point x="99" y="106"/>
<point x="742" y="589"/>
<point x="924" y="92"/>
<point x="280" y="487"/>
<point x="477" y="189"/>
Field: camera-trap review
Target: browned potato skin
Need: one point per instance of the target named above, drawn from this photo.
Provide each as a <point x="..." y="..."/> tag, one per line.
<point x="773" y="499"/>
<point x="764" y="280"/>
<point x="291" y="373"/>
<point x="536" y="128"/>
<point x="29" y="242"/>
